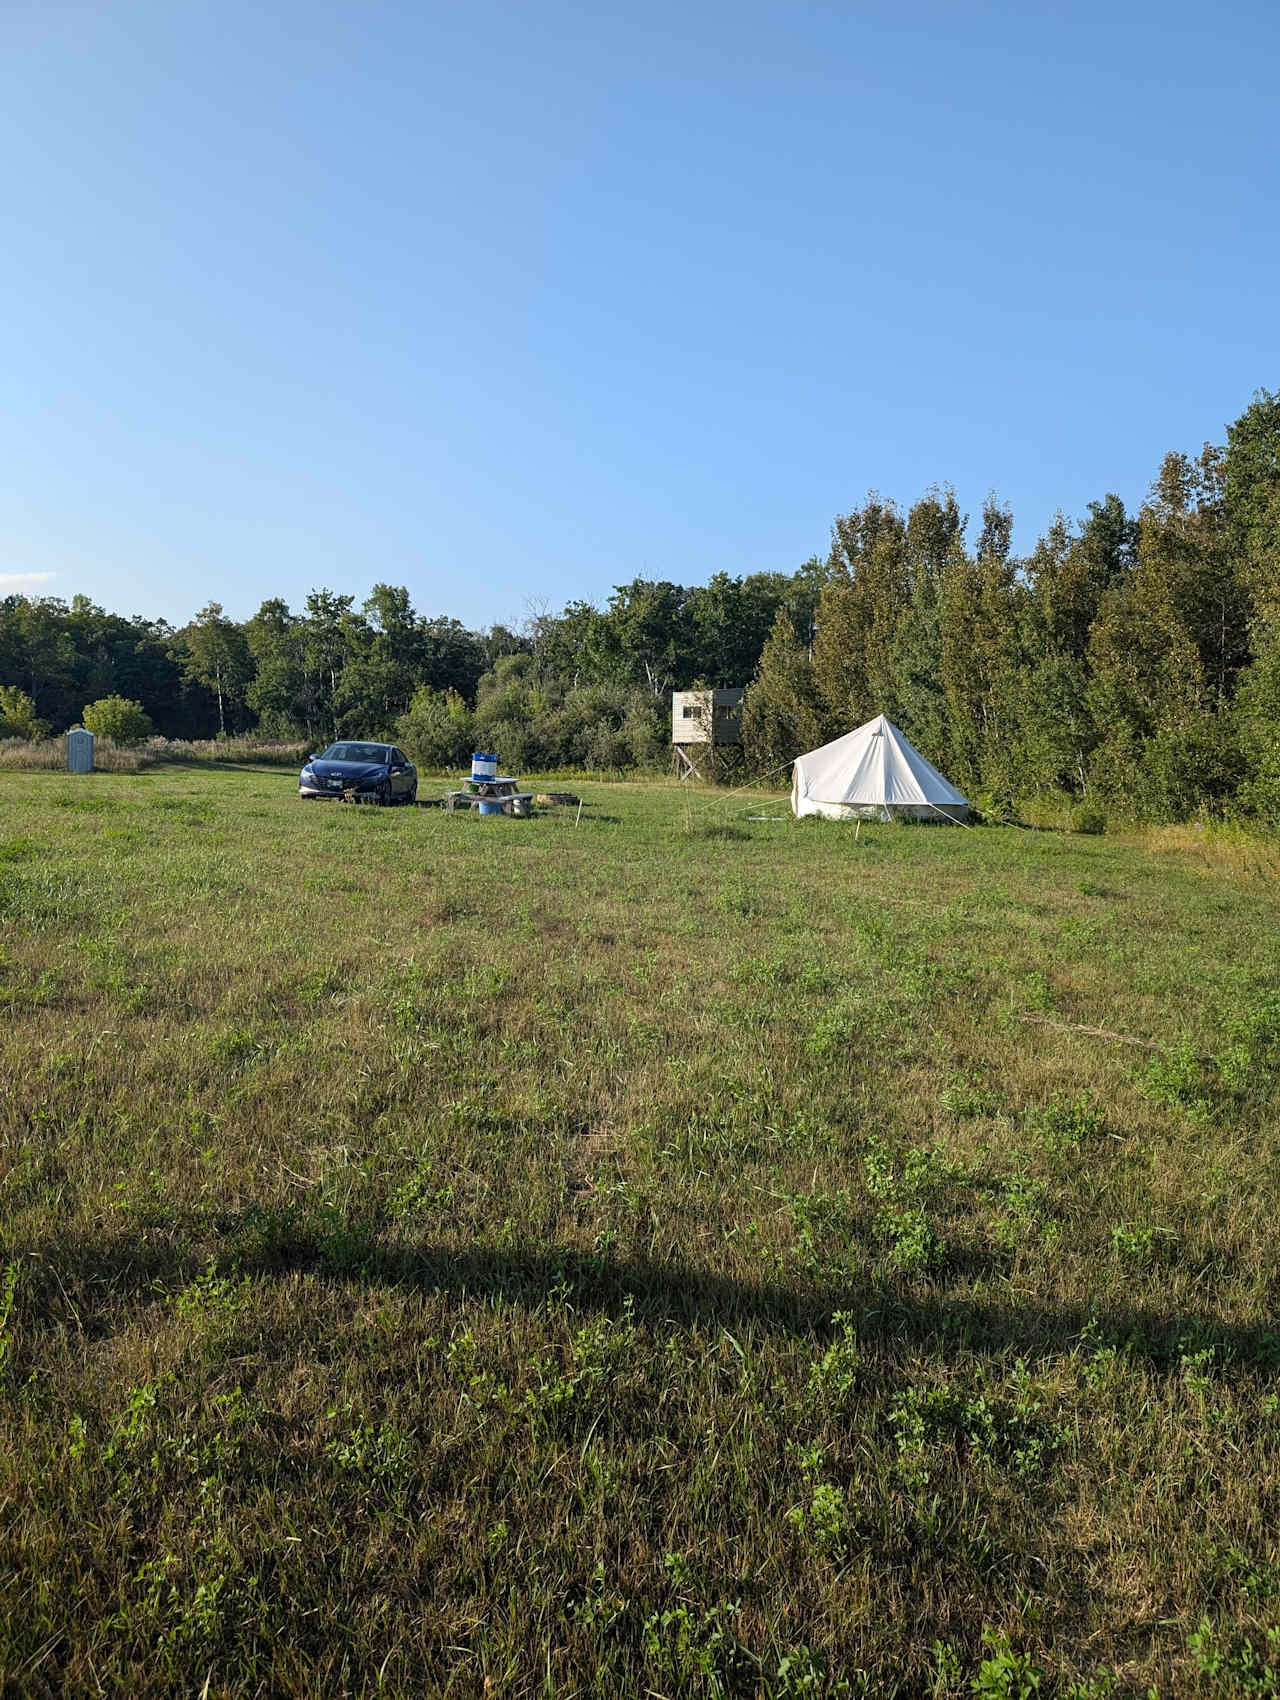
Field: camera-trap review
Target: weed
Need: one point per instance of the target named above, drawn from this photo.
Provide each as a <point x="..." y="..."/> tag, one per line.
<point x="930" y="1423"/>
<point x="947" y="1670"/>
<point x="420" y="1194"/>
<point x="824" y="1523"/>
<point x="835" y="1376"/>
<point x="1141" y="1245"/>
<point x="238" y="1045"/>
<point x="965" y="1095"/>
<point x="8" y="1303"/>
<point x="1005" y="1675"/>
<point x="1177" y="1080"/>
<point x="913" y="1244"/>
<point x="839" y="1031"/>
<point x="1257" y="1579"/>
<point x="375" y="1457"/>
<point x="802" y="1674"/>
<point x="214" y="1303"/>
<point x="901" y="1221"/>
<point x="1238" y="1664"/>
<point x="1067" y="1125"/>
<point x="697" y="1651"/>
<point x="738" y="899"/>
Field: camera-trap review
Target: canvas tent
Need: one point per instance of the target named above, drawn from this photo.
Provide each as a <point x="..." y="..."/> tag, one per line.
<point x="874" y="773"/>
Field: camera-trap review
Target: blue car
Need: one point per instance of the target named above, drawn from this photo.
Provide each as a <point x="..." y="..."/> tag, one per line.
<point x="373" y="773"/>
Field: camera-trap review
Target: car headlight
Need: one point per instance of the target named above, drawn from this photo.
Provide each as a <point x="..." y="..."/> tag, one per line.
<point x="307" y="773"/>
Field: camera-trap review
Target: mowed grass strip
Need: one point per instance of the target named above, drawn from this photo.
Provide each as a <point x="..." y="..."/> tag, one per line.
<point x="671" y="1254"/>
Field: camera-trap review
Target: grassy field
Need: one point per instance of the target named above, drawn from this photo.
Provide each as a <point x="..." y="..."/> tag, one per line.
<point x="675" y="1255"/>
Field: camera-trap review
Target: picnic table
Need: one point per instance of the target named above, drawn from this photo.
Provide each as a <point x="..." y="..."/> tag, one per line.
<point x="501" y="790"/>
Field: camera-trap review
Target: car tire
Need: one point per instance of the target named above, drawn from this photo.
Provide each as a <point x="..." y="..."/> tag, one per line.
<point x="384" y="794"/>
<point x="411" y="797"/>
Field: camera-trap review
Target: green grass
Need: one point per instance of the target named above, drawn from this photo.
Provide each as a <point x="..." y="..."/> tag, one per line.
<point x="656" y="1256"/>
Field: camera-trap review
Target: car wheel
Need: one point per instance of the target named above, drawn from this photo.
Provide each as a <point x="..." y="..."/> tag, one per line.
<point x="411" y="797"/>
<point x="384" y="794"/>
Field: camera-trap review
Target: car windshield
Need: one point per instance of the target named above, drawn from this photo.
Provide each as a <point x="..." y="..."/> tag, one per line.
<point x="355" y="752"/>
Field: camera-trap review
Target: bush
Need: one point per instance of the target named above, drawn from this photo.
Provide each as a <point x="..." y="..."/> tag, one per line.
<point x="996" y="807"/>
<point x="438" y="729"/>
<point x="120" y="719"/>
<point x="18" y="715"/>
<point x="275" y="727"/>
<point x="1088" y="817"/>
<point x="1257" y="719"/>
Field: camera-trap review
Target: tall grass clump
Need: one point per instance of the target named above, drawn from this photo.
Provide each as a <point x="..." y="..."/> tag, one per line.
<point x="245" y="749"/>
<point x="50" y="754"/>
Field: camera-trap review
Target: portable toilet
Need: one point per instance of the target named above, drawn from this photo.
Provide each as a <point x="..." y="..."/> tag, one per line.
<point x="79" y="750"/>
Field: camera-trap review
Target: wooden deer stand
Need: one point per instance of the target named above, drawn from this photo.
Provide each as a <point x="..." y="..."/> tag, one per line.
<point x="706" y="734"/>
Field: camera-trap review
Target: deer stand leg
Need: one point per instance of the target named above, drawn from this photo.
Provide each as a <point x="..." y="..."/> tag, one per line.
<point x="686" y="767"/>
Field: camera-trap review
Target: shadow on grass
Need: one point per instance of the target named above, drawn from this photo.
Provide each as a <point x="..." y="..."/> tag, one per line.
<point x="85" y="1287"/>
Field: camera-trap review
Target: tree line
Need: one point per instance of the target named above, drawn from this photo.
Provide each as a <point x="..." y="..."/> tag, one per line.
<point x="1131" y="657"/>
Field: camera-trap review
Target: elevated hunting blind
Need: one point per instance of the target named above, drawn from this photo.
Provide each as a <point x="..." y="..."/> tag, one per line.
<point x="706" y="732"/>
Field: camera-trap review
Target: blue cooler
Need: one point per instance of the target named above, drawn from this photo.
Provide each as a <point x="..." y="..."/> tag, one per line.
<point x="484" y="766"/>
<point x="487" y="808"/>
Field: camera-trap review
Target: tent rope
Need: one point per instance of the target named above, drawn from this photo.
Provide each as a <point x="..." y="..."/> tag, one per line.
<point x="749" y="784"/>
<point x="844" y="803"/>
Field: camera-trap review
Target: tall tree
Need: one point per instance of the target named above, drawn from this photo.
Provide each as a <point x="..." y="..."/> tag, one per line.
<point x="645" y="623"/>
<point x="218" y="657"/>
<point x="1186" y="575"/>
<point x="979" y="617"/>
<point x="781" y="714"/>
<point x="326" y="646"/>
<point x="864" y="597"/>
<point x="728" y="620"/>
<point x="280" y="693"/>
<point x="1251" y="499"/>
<point x="384" y="662"/>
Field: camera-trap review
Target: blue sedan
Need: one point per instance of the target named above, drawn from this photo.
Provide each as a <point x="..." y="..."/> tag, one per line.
<point x="372" y="773"/>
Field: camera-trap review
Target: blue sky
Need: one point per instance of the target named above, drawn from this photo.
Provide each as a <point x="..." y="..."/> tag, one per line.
<point x="512" y="303"/>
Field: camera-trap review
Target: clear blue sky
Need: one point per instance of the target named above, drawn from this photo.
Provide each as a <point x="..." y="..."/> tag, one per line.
<point x="509" y="303"/>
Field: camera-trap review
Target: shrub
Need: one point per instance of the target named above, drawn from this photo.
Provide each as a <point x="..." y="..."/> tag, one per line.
<point x="438" y="729"/>
<point x="1088" y="817"/>
<point x="118" y="718"/>
<point x="18" y="717"/>
<point x="1257" y="720"/>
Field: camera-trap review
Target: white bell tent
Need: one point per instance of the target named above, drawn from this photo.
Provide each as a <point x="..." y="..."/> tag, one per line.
<point x="873" y="773"/>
